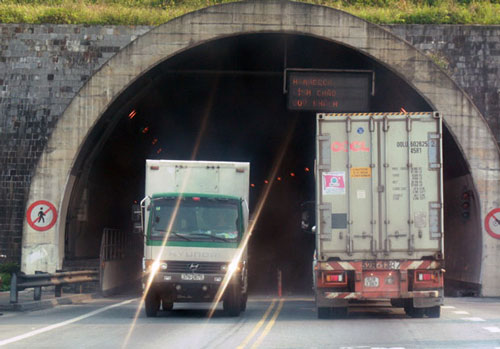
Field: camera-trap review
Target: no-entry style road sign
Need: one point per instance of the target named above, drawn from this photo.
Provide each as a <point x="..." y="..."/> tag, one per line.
<point x="492" y="223"/>
<point x="41" y="215"/>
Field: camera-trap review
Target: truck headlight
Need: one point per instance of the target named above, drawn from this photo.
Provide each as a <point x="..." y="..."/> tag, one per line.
<point x="152" y="266"/>
<point x="164" y="266"/>
<point x="231" y="267"/>
<point x="234" y="266"/>
<point x="155" y="266"/>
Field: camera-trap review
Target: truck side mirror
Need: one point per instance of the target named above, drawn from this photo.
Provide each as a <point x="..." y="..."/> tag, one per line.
<point x="136" y="213"/>
<point x="136" y="219"/>
<point x="137" y="228"/>
<point x="308" y="219"/>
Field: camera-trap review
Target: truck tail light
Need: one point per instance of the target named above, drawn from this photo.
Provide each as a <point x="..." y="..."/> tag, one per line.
<point x="426" y="276"/>
<point x="335" y="278"/>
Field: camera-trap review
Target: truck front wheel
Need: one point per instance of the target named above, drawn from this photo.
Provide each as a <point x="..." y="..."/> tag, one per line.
<point x="166" y="305"/>
<point x="232" y="300"/>
<point x="244" y="298"/>
<point x="152" y="303"/>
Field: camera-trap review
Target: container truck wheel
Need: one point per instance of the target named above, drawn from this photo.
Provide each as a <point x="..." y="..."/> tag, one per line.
<point x="152" y="303"/>
<point x="433" y="312"/>
<point x="323" y="313"/>
<point x="232" y="300"/>
<point x="339" y="312"/>
<point x="415" y="312"/>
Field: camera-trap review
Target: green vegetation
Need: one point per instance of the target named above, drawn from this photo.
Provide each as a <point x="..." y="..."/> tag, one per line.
<point x="6" y="271"/>
<point x="154" y="12"/>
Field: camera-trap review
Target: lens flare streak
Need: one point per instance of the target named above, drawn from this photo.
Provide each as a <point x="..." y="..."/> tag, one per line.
<point x="253" y="220"/>
<point x="247" y="234"/>
<point x="171" y="222"/>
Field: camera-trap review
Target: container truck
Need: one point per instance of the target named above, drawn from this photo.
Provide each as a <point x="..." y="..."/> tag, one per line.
<point x="379" y="212"/>
<point x="194" y="217"/>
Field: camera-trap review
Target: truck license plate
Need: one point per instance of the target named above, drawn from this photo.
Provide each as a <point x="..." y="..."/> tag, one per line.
<point x="193" y="277"/>
<point x="371" y="281"/>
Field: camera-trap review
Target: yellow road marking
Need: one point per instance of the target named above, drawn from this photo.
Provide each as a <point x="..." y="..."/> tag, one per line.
<point x="269" y="325"/>
<point x="257" y="326"/>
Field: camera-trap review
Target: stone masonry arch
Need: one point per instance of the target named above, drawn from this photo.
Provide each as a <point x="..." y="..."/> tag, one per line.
<point x="53" y="181"/>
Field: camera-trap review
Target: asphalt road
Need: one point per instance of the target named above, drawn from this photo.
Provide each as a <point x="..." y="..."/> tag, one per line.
<point x="290" y="322"/>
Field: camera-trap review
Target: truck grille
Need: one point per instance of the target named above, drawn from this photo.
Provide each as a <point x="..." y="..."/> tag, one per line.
<point x="195" y="267"/>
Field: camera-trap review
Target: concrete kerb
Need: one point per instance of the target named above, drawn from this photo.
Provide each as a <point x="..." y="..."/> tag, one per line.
<point x="26" y="302"/>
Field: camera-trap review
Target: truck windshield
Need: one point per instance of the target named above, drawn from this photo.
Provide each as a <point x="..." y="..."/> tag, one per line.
<point x="197" y="219"/>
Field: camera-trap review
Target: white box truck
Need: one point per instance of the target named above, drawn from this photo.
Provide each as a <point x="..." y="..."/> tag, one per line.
<point x="195" y="215"/>
<point x="379" y="211"/>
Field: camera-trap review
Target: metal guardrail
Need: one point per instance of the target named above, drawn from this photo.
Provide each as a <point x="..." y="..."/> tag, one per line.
<point x="21" y="281"/>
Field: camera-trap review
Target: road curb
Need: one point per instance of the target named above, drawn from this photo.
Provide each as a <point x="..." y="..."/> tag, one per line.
<point x="48" y="303"/>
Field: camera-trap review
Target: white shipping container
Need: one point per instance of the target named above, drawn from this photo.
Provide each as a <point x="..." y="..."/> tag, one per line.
<point x="379" y="186"/>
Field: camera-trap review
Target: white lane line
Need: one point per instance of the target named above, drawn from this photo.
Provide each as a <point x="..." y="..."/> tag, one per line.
<point x="474" y="319"/>
<point x="61" y="324"/>
<point x="492" y="329"/>
<point x="447" y="307"/>
<point x="462" y="312"/>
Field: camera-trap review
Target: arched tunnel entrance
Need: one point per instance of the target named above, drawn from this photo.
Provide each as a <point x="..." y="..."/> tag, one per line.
<point x="223" y="100"/>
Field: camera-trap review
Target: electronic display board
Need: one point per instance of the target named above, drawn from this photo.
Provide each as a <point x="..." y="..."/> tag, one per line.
<point x="329" y="91"/>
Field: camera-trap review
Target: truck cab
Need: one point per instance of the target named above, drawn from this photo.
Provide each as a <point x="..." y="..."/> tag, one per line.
<point x="195" y="217"/>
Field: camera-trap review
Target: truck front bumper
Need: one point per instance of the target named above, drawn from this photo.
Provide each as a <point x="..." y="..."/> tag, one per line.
<point x="188" y="287"/>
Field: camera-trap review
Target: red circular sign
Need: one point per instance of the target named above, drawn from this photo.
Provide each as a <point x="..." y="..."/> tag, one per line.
<point x="492" y="223"/>
<point x="41" y="215"/>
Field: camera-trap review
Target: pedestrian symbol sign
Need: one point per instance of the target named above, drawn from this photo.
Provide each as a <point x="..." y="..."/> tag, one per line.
<point x="41" y="215"/>
<point x="492" y="223"/>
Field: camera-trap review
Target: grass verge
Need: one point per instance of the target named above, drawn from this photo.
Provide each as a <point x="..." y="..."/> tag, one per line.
<point x="155" y="12"/>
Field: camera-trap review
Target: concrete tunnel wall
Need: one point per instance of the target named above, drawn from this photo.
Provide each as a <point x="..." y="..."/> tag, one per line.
<point x="463" y="119"/>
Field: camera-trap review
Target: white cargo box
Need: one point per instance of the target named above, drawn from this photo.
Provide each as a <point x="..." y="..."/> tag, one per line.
<point x="198" y="177"/>
<point x="379" y="186"/>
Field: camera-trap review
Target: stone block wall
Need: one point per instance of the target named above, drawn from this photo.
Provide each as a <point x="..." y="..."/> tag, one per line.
<point x="469" y="54"/>
<point x="42" y="67"/>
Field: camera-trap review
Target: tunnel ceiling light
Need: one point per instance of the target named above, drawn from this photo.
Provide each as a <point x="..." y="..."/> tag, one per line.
<point x="145" y="130"/>
<point x="292" y="174"/>
<point x="252" y="185"/>
<point x="279" y="178"/>
<point x="159" y="151"/>
<point x="307" y="169"/>
<point x="132" y="114"/>
<point x="266" y="181"/>
<point x="154" y="141"/>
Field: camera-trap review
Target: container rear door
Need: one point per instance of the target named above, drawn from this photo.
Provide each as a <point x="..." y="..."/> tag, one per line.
<point x="412" y="211"/>
<point x="379" y="198"/>
<point x="347" y="151"/>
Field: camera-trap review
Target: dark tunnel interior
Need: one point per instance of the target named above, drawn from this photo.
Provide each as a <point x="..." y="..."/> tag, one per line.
<point x="224" y="100"/>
